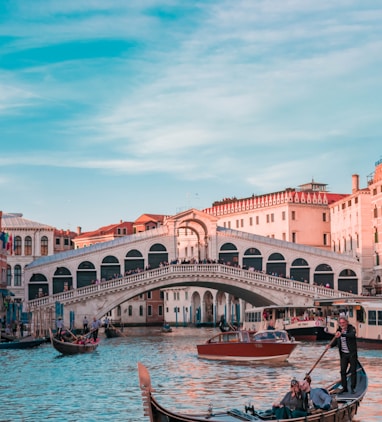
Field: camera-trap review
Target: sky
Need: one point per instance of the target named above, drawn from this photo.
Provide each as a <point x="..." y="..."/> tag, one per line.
<point x="113" y="109"/>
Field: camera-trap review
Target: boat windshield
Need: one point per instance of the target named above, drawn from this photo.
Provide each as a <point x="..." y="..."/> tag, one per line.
<point x="275" y="335"/>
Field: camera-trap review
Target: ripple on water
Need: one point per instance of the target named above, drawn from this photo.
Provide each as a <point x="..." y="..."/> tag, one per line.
<point x="40" y="384"/>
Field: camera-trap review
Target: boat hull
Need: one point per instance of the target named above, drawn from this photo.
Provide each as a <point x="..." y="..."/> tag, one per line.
<point x="267" y="345"/>
<point x="68" y="348"/>
<point x="346" y="410"/>
<point x="22" y="344"/>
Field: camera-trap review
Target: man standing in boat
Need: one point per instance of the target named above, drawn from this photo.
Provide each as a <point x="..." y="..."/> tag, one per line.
<point x="85" y="324"/>
<point x="347" y="346"/>
<point x="96" y="324"/>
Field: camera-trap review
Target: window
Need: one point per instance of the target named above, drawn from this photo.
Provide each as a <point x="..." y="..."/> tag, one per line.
<point x="58" y="241"/>
<point x="17" y="245"/>
<point x="9" y="275"/>
<point x="283" y="216"/>
<point x="229" y="224"/>
<point x="294" y="237"/>
<point x="237" y="224"/>
<point x="257" y="219"/>
<point x="242" y="223"/>
<point x="44" y="246"/>
<point x="250" y="221"/>
<point x="324" y="216"/>
<point x="17" y="274"/>
<point x="272" y="218"/>
<point x="267" y="218"/>
<point x="293" y="215"/>
<point x="284" y="236"/>
<point x="160" y="310"/>
<point x="28" y="246"/>
<point x="325" y="239"/>
<point x="149" y="295"/>
<point x="66" y="241"/>
<point x="140" y="310"/>
<point x="149" y="310"/>
<point x="186" y="295"/>
<point x="375" y="212"/>
<point x="372" y="317"/>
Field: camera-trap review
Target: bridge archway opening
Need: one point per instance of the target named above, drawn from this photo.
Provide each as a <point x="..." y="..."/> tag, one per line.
<point x="38" y="286"/>
<point x="276" y="265"/>
<point x="110" y="268"/>
<point x="229" y="254"/>
<point x="253" y="259"/>
<point x="86" y="274"/>
<point x="158" y="256"/>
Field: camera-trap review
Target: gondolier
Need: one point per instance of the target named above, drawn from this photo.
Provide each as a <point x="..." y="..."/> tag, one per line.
<point x="96" y="324"/>
<point x="347" y="346"/>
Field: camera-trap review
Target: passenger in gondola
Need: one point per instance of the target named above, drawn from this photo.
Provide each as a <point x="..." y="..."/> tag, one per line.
<point x="316" y="398"/>
<point x="293" y="405"/>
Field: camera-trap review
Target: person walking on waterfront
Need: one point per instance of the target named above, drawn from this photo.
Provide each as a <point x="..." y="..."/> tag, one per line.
<point x="96" y="324"/>
<point x="60" y="326"/>
<point x="85" y="324"/>
<point x="346" y="341"/>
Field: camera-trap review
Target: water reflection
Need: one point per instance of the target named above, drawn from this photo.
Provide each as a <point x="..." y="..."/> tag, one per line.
<point x="103" y="386"/>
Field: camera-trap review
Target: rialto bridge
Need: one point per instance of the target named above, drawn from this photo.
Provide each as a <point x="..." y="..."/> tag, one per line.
<point x="189" y="253"/>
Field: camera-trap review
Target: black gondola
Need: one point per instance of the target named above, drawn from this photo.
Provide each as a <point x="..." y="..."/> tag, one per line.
<point x="347" y="405"/>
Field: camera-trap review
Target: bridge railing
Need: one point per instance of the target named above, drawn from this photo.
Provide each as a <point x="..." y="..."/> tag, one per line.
<point x="151" y="276"/>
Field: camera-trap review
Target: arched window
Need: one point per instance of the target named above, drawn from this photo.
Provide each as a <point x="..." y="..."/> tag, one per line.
<point x="28" y="246"/>
<point x="9" y="275"/>
<point x="17" y="275"/>
<point x="17" y="245"/>
<point x="44" y="246"/>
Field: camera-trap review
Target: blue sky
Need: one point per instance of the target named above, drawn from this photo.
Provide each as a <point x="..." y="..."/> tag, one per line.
<point x="111" y="109"/>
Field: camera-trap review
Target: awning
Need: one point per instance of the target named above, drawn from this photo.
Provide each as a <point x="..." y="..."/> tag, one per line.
<point x="6" y="292"/>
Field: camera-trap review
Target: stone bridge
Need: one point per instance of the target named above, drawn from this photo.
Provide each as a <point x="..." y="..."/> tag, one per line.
<point x="255" y="288"/>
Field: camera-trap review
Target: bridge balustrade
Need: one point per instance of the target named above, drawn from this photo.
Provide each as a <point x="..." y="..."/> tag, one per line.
<point x="151" y="277"/>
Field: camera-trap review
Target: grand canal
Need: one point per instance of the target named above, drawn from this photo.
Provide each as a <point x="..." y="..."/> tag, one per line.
<point x="39" y="384"/>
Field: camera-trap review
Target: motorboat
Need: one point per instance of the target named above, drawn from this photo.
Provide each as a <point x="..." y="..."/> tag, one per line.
<point x="242" y="345"/>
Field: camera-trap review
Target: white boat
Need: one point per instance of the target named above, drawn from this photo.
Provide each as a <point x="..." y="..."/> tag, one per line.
<point x="305" y="323"/>
<point x="363" y="312"/>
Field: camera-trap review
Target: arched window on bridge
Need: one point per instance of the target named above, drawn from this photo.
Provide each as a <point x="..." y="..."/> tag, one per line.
<point x="253" y="259"/>
<point x="38" y="286"/>
<point x="134" y="260"/>
<point x="62" y="280"/>
<point x="276" y="265"/>
<point x="300" y="270"/>
<point x="348" y="281"/>
<point x="324" y="276"/>
<point x="86" y="274"/>
<point x="229" y="254"/>
<point x="110" y="268"/>
<point x="157" y="255"/>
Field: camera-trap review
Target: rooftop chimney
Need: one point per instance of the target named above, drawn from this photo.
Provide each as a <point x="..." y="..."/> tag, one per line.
<point x="355" y="183"/>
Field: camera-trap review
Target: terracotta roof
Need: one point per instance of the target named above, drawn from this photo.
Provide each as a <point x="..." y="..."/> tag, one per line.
<point x="145" y="218"/>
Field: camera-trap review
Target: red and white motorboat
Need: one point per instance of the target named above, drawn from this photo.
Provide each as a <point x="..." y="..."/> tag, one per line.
<point x="266" y="345"/>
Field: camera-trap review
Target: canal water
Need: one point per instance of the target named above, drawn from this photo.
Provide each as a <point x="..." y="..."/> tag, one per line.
<point x="40" y="384"/>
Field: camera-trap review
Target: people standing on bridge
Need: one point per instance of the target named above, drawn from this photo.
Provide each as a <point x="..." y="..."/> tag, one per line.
<point x="96" y="324"/>
<point x="85" y="324"/>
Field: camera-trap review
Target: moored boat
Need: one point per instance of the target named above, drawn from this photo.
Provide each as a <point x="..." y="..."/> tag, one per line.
<point x="22" y="343"/>
<point x="266" y="345"/>
<point x="344" y="412"/>
<point x="305" y="323"/>
<point x="363" y="312"/>
<point x="74" y="347"/>
<point x="112" y="332"/>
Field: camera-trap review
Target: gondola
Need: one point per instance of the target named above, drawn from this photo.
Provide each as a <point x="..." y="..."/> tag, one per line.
<point x="72" y="347"/>
<point x="347" y="405"/>
<point x="112" y="332"/>
<point x="22" y="343"/>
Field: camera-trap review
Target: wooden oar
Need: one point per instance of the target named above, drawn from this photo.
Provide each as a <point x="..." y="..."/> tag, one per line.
<point x="115" y="328"/>
<point x="76" y="337"/>
<point x="322" y="355"/>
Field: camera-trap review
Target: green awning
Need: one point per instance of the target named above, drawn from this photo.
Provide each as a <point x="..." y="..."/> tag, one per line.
<point x="6" y="292"/>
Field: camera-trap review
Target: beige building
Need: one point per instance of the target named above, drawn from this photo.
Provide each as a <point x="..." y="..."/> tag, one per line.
<point x="375" y="186"/>
<point x="294" y="215"/>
